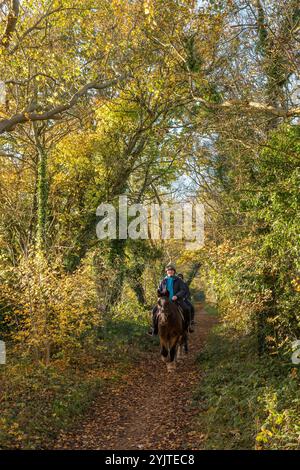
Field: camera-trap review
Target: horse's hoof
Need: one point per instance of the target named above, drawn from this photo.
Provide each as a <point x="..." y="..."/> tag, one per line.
<point x="171" y="366"/>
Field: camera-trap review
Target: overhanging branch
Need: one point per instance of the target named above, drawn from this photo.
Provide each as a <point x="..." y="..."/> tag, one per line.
<point x="9" y="124"/>
<point x="11" y="24"/>
<point x="250" y="106"/>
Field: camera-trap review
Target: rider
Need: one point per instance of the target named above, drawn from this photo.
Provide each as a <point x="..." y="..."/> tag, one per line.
<point x="187" y="299"/>
<point x="177" y="292"/>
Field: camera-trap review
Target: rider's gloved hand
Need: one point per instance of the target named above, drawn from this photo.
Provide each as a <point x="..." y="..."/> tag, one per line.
<point x="174" y="297"/>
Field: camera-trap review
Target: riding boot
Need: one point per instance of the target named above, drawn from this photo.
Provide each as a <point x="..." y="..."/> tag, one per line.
<point x="188" y="317"/>
<point x="192" y="314"/>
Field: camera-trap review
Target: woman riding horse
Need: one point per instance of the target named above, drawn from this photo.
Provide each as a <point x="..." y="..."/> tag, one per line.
<point x="173" y="336"/>
<point x="177" y="292"/>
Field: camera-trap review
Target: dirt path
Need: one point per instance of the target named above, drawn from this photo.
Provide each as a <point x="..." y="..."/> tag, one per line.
<point x="151" y="409"/>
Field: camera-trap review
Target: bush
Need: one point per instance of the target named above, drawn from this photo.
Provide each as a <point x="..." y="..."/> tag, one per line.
<point x="51" y="313"/>
<point x="246" y="402"/>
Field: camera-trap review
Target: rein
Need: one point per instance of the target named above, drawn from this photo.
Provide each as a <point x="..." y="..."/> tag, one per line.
<point x="164" y="316"/>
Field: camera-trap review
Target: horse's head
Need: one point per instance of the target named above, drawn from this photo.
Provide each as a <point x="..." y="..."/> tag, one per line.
<point x="163" y="304"/>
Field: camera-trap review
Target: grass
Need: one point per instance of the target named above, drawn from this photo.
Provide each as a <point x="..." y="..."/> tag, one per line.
<point x="37" y="401"/>
<point x="211" y="309"/>
<point x="246" y="401"/>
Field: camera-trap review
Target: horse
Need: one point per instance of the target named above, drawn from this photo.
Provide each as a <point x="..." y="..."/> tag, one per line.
<point x="171" y="330"/>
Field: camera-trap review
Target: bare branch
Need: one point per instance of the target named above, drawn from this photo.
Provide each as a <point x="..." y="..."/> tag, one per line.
<point x="252" y="106"/>
<point x="12" y="20"/>
<point x="9" y="124"/>
<point x="36" y="26"/>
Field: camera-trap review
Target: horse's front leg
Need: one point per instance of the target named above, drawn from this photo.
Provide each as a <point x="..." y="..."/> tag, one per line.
<point x="179" y="352"/>
<point x="171" y="366"/>
<point x="164" y="353"/>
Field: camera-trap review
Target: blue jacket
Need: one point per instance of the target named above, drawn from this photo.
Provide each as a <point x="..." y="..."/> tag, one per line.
<point x="178" y="287"/>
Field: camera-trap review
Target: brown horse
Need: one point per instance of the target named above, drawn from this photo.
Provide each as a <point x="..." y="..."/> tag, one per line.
<point x="171" y="330"/>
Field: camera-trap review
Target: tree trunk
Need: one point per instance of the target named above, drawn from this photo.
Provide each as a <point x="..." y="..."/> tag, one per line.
<point x="42" y="192"/>
<point x="42" y="201"/>
<point x="139" y="292"/>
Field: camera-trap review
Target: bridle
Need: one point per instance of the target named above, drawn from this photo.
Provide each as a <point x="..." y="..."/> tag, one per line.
<point x="162" y="314"/>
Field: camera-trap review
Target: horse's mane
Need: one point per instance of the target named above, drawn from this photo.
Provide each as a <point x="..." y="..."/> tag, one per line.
<point x="164" y="293"/>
